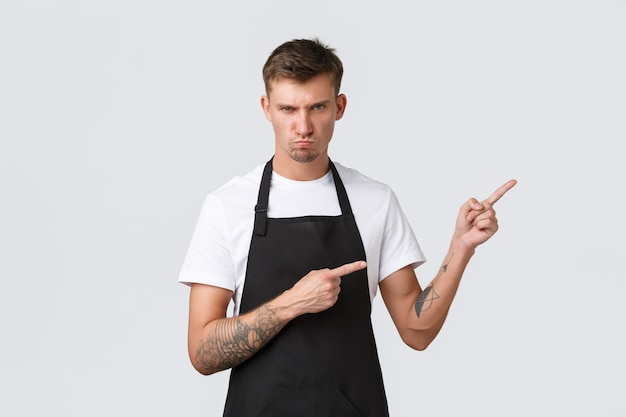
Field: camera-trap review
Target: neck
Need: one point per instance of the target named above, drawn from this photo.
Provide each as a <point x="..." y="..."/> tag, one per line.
<point x="286" y="167"/>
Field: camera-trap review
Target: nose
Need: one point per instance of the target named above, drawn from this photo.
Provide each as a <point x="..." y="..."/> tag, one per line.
<point x="304" y="127"/>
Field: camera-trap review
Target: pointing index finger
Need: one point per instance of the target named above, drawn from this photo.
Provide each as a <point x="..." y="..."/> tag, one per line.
<point x="497" y="195"/>
<point x="349" y="268"/>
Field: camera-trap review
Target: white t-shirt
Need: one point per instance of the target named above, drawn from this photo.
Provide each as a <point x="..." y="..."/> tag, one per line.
<point x="218" y="253"/>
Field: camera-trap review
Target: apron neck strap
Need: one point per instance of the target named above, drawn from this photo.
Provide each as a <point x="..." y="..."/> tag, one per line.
<point x="342" y="195"/>
<point x="260" y="210"/>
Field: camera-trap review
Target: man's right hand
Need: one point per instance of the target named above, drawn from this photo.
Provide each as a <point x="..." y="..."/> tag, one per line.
<point x="319" y="289"/>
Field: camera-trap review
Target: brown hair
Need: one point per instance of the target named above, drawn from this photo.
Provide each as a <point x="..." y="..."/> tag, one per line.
<point x="302" y="60"/>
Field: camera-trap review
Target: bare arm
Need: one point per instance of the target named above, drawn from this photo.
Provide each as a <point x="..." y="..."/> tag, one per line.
<point x="419" y="314"/>
<point x="217" y="342"/>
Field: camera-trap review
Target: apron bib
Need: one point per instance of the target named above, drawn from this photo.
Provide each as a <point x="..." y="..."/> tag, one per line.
<point x="319" y="365"/>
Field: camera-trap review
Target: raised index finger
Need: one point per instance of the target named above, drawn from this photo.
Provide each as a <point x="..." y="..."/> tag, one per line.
<point x="497" y="195"/>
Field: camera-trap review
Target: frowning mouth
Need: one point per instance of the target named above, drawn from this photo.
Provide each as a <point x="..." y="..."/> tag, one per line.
<point x="303" y="143"/>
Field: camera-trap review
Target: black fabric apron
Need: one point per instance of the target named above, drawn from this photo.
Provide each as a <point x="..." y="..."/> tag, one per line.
<point x="319" y="365"/>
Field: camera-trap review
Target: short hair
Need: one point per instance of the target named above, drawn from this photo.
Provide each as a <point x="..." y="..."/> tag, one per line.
<point x="302" y="60"/>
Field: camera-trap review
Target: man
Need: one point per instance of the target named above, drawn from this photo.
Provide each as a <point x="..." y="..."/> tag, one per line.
<point x="301" y="245"/>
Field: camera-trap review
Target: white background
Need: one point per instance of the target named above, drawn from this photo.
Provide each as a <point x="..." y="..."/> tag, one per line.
<point x="118" y="117"/>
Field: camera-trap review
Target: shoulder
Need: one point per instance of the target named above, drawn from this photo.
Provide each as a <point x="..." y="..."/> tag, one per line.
<point x="371" y="200"/>
<point x="233" y="201"/>
<point x="238" y="190"/>
<point x="357" y="183"/>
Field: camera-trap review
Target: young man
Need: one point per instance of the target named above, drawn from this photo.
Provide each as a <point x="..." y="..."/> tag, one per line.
<point x="301" y="246"/>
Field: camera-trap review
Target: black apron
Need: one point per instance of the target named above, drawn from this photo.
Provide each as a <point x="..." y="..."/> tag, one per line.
<point x="319" y="365"/>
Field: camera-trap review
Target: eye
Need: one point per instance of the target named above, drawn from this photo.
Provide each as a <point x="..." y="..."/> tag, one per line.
<point x="287" y="109"/>
<point x="319" y="106"/>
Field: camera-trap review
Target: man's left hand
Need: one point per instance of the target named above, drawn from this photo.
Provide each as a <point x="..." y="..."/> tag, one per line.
<point x="477" y="221"/>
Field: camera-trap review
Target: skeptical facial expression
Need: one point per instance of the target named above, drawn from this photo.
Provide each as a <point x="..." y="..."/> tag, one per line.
<point x="303" y="116"/>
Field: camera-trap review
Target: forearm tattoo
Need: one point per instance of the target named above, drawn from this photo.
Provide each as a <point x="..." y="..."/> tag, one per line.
<point x="428" y="296"/>
<point x="233" y="341"/>
<point x="425" y="299"/>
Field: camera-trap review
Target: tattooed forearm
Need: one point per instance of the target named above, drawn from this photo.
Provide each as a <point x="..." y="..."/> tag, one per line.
<point x="426" y="298"/>
<point x="233" y="341"/>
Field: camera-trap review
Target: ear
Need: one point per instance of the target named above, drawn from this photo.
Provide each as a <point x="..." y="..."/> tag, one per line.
<point x="265" y="105"/>
<point x="342" y="101"/>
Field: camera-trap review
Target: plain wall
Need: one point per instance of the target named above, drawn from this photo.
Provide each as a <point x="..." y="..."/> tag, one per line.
<point x="118" y="117"/>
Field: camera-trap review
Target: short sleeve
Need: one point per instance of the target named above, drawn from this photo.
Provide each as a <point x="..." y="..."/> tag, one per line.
<point x="208" y="259"/>
<point x="399" y="247"/>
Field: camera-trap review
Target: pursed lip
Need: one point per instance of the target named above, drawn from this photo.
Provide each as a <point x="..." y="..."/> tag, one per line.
<point x="303" y="143"/>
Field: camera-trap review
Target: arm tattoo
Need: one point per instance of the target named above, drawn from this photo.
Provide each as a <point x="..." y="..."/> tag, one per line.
<point x="427" y="297"/>
<point x="233" y="341"/>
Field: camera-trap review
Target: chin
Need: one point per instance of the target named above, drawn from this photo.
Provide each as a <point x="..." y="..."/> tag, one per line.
<point x="304" y="156"/>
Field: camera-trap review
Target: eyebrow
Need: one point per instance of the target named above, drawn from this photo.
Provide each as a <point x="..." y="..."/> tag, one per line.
<point x="317" y="103"/>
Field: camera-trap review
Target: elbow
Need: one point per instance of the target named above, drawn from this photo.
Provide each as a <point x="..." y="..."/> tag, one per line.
<point x="417" y="340"/>
<point x="203" y="370"/>
<point x="419" y="345"/>
<point x="422" y="346"/>
<point x="203" y="367"/>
